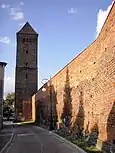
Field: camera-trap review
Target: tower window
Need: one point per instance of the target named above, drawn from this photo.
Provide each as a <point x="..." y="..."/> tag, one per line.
<point x="23" y="40"/>
<point x="26" y="51"/>
<point x="30" y="40"/>
<point x="26" y="76"/>
<point x="26" y="89"/>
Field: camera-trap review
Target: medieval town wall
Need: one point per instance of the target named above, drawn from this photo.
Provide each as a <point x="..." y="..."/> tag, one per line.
<point x="91" y="80"/>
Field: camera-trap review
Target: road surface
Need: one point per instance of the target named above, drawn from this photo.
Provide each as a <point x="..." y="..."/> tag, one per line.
<point x="32" y="139"/>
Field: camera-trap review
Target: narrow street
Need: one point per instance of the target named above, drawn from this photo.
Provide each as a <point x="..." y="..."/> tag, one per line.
<point x="32" y="139"/>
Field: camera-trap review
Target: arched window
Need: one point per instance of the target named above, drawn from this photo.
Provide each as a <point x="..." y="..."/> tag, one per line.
<point x="26" y="51"/>
<point x="30" y="40"/>
<point x="26" y="76"/>
<point x="23" y="40"/>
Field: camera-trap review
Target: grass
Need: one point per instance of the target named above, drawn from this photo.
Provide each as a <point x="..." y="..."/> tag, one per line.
<point x="84" y="145"/>
<point x="92" y="149"/>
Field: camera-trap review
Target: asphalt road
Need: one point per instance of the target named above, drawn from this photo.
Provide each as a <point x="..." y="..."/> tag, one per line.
<point x="32" y="139"/>
<point x="5" y="135"/>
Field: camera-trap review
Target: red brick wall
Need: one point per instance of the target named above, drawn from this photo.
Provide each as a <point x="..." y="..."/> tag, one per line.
<point x="92" y="73"/>
<point x="27" y="110"/>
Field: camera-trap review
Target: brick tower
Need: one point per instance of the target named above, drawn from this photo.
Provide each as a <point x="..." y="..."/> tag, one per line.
<point x="26" y="73"/>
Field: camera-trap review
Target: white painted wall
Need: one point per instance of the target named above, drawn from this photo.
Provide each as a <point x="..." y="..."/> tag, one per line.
<point x="2" y="66"/>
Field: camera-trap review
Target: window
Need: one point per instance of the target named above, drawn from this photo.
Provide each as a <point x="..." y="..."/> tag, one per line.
<point x="23" y="40"/>
<point x="26" y="76"/>
<point x="26" y="51"/>
<point x="26" y="63"/>
<point x="27" y="39"/>
<point x="26" y="89"/>
<point x="30" y="40"/>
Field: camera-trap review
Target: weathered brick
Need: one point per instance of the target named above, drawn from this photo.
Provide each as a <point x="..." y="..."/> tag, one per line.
<point x="26" y="67"/>
<point x="91" y="73"/>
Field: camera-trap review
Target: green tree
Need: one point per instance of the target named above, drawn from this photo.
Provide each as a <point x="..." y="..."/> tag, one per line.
<point x="10" y="98"/>
<point x="8" y="106"/>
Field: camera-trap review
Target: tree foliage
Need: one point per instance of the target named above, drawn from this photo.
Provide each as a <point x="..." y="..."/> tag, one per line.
<point x="10" y="98"/>
<point x="8" y="105"/>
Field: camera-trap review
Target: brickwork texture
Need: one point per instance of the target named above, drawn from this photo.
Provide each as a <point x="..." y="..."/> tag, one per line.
<point x="26" y="68"/>
<point x="91" y="80"/>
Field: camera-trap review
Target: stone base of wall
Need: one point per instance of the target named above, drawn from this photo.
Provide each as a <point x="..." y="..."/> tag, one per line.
<point x="99" y="144"/>
<point x="107" y="147"/>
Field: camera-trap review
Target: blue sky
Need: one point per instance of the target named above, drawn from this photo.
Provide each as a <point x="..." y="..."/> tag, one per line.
<point x="65" y="28"/>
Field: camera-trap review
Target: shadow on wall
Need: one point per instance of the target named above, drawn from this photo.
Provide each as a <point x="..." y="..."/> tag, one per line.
<point x="111" y="124"/>
<point x="78" y="125"/>
<point x="67" y="100"/>
<point x="39" y="112"/>
<point x="93" y="135"/>
<point x="54" y="108"/>
<point x="46" y="111"/>
<point x="109" y="145"/>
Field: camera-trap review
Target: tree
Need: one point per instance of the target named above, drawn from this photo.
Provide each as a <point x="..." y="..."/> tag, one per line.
<point x="8" y="105"/>
<point x="10" y="98"/>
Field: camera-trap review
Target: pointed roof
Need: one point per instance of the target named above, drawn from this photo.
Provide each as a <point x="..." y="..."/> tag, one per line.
<point x="27" y="29"/>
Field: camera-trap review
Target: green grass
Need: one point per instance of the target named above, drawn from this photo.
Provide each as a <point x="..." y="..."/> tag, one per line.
<point x="92" y="149"/>
<point x="80" y="142"/>
<point x="83" y="145"/>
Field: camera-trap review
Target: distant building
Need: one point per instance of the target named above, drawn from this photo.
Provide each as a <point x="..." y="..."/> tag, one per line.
<point x="2" y="66"/>
<point x="26" y="73"/>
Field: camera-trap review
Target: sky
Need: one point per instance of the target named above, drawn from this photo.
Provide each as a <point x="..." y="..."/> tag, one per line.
<point x="65" y="28"/>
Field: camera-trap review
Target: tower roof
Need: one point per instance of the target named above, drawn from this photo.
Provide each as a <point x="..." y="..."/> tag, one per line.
<point x="27" y="29"/>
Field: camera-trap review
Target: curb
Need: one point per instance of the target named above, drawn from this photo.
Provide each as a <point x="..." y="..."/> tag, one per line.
<point x="70" y="143"/>
<point x="43" y="129"/>
<point x="3" y="150"/>
<point x="65" y="140"/>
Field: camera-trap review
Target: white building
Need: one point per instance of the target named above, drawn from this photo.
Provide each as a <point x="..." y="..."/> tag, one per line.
<point x="2" y="66"/>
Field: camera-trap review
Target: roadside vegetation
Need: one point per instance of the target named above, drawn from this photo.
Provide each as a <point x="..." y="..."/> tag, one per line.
<point x="82" y="143"/>
<point x="79" y="140"/>
<point x="8" y="106"/>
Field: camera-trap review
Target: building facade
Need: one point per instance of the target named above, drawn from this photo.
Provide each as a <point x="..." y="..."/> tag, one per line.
<point x="86" y="87"/>
<point x="26" y="73"/>
<point x="2" y="66"/>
